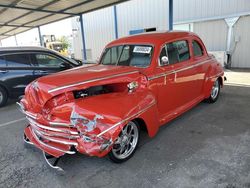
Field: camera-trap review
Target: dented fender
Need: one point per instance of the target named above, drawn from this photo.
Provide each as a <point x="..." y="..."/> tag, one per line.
<point x="105" y="121"/>
<point x="97" y="122"/>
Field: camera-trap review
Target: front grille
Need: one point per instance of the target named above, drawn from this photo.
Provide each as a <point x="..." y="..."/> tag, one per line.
<point x="63" y="135"/>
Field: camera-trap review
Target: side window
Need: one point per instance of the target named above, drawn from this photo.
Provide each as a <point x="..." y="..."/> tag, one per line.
<point x="18" y="60"/>
<point x="198" y="51"/>
<point x="178" y="51"/>
<point x="2" y="61"/>
<point x="46" y="60"/>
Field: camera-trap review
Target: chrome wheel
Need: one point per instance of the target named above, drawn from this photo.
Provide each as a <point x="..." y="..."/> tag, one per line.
<point x="126" y="142"/>
<point x="215" y="90"/>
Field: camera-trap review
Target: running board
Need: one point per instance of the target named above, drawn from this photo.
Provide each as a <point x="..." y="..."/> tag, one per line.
<point x="52" y="161"/>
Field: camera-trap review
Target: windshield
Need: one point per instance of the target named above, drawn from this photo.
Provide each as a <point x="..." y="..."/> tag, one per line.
<point x="128" y="55"/>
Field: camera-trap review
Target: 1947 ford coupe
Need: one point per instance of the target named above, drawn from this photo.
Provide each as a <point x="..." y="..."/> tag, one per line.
<point x="141" y="81"/>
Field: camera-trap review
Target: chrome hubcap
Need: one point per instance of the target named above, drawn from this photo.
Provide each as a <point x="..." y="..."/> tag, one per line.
<point x="126" y="142"/>
<point x="215" y="89"/>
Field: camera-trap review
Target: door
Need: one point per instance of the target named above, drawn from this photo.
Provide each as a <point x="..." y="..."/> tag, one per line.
<point x="199" y="58"/>
<point x="20" y="72"/>
<point x="46" y="63"/>
<point x="178" y="87"/>
<point x="3" y="70"/>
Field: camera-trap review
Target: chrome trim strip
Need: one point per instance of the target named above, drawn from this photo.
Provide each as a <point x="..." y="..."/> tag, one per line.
<point x="27" y="113"/>
<point x="214" y="76"/>
<point x="56" y="140"/>
<point x="27" y="141"/>
<point x="121" y="122"/>
<point x="33" y="123"/>
<point x="176" y="71"/>
<point x="60" y="124"/>
<point x="47" y="161"/>
<point x="70" y="137"/>
<point x="49" y="146"/>
<point x="89" y="81"/>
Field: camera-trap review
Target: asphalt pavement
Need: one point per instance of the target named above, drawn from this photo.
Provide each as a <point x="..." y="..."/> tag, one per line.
<point x="209" y="146"/>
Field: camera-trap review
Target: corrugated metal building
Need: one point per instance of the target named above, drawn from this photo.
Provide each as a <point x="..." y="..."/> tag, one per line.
<point x="204" y="17"/>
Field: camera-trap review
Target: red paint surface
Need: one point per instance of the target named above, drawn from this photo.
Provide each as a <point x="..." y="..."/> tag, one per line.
<point x="155" y="101"/>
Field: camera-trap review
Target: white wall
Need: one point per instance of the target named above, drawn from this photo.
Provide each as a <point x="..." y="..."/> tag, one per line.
<point x="99" y="25"/>
<point x="205" y="17"/>
<point x="241" y="43"/>
<point x="188" y="10"/>
<point x="140" y="14"/>
<point x="213" y="33"/>
<point x="99" y="30"/>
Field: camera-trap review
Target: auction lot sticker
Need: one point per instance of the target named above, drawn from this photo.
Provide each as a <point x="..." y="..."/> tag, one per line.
<point x="142" y="49"/>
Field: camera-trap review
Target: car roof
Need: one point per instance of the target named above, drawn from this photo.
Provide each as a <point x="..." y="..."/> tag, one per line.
<point x="24" y="48"/>
<point x="152" y="38"/>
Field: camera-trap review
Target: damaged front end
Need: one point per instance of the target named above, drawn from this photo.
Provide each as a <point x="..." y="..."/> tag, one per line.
<point x="80" y="120"/>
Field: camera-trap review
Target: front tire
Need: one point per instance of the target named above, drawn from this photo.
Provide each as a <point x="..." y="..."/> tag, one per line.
<point x="215" y="92"/>
<point x="126" y="143"/>
<point x="3" y="97"/>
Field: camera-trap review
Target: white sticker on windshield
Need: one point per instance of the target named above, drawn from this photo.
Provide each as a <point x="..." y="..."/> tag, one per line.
<point x="142" y="49"/>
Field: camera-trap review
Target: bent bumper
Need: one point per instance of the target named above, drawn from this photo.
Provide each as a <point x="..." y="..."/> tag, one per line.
<point x="60" y="141"/>
<point x="52" y="148"/>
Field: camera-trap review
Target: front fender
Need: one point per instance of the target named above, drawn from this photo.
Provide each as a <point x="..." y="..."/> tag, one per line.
<point x="116" y="109"/>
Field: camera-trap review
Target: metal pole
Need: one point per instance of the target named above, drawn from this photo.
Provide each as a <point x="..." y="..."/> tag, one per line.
<point x="16" y="40"/>
<point x="83" y="38"/>
<point x="40" y="36"/>
<point x="116" y="23"/>
<point x="170" y="24"/>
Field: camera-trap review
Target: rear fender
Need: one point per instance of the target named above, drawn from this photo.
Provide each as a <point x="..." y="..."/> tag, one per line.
<point x="215" y="71"/>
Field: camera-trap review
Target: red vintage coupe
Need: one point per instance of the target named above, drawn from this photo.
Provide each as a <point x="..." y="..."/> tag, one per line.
<point x="141" y="81"/>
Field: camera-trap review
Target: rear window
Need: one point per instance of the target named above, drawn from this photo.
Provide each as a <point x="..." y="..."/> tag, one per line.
<point x="2" y="61"/>
<point x="18" y="60"/>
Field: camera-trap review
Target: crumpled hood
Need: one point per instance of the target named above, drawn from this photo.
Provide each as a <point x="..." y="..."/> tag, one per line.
<point x="74" y="77"/>
<point x="79" y="78"/>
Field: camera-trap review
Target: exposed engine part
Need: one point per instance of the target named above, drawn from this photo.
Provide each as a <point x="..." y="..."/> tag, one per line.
<point x="102" y="89"/>
<point x="95" y="90"/>
<point x="132" y="86"/>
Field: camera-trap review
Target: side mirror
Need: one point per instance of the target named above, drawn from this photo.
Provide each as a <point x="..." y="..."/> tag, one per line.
<point x="164" y="60"/>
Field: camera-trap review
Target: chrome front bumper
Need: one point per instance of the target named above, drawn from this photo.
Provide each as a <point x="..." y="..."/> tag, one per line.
<point x="54" y="138"/>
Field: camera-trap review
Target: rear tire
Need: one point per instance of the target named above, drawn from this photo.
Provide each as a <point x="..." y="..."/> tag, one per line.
<point x="126" y="143"/>
<point x="3" y="97"/>
<point x="215" y="92"/>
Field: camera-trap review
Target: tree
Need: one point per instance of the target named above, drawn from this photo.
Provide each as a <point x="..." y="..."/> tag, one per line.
<point x="65" y="42"/>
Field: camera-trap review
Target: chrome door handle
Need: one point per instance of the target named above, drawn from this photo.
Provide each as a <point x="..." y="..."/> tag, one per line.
<point x="3" y="71"/>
